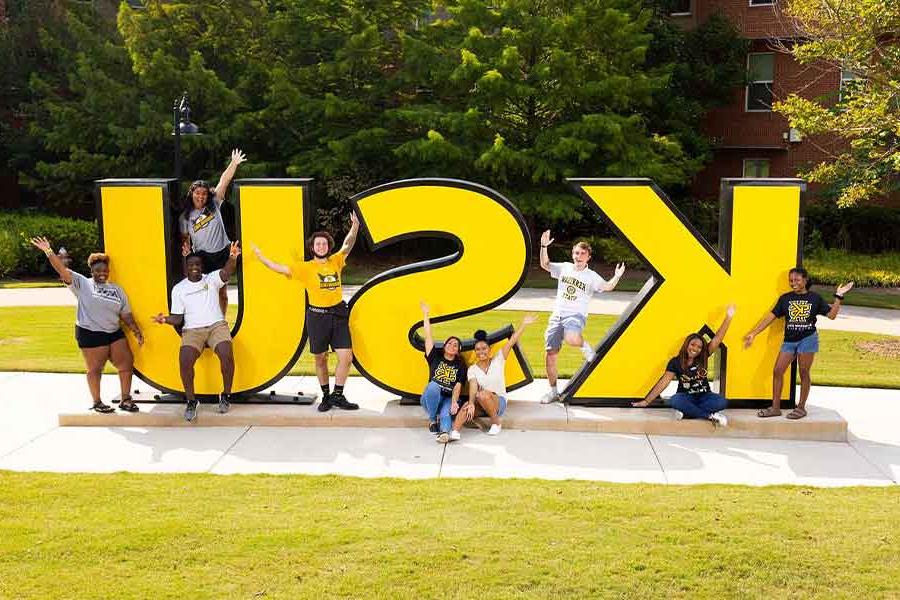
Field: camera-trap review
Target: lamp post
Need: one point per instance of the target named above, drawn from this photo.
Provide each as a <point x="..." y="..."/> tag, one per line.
<point x="181" y="125"/>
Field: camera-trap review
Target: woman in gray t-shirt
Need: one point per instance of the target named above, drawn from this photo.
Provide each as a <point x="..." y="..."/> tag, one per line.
<point x="101" y="305"/>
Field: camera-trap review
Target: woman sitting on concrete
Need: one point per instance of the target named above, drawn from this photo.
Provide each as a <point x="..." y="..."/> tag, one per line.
<point x="446" y="372"/>
<point x="487" y="381"/>
<point x="693" y="399"/>
<point x="97" y="331"/>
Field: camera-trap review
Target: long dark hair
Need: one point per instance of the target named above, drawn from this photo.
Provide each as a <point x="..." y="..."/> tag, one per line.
<point x="187" y="204"/>
<point x="701" y="359"/>
<point x="802" y="273"/>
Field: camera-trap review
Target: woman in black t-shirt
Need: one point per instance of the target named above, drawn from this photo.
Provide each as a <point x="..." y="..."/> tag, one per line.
<point x="446" y="374"/>
<point x="799" y="307"/>
<point x="693" y="399"/>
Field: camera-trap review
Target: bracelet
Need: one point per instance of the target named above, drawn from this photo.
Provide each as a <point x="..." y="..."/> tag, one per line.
<point x="838" y="296"/>
<point x="48" y="252"/>
<point x="543" y="246"/>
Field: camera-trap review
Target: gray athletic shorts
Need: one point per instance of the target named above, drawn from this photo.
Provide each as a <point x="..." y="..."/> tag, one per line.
<point x="559" y="325"/>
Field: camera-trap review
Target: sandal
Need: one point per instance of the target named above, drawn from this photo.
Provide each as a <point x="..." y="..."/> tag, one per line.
<point x="769" y="411"/>
<point x="128" y="405"/>
<point x="102" y="408"/>
<point x="797" y="413"/>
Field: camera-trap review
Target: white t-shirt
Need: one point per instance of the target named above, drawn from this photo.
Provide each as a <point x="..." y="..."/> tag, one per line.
<point x="494" y="380"/>
<point x="573" y="294"/>
<point x="198" y="301"/>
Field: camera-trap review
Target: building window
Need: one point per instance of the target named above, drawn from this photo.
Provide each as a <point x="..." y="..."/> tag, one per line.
<point x="679" y="7"/>
<point x="760" y="76"/>
<point x="756" y="167"/>
<point x="850" y="82"/>
<point x="762" y="2"/>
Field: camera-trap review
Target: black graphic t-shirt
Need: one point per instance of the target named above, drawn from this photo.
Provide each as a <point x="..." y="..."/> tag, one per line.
<point x="800" y="312"/>
<point x="690" y="381"/>
<point x="445" y="373"/>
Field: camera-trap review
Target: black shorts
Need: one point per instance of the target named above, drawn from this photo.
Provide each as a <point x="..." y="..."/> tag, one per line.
<point x="213" y="261"/>
<point x="329" y="326"/>
<point x="87" y="338"/>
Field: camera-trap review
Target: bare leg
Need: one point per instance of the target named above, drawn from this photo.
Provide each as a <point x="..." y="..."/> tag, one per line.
<point x="573" y="338"/>
<point x="322" y="367"/>
<point x="120" y="355"/>
<point x="781" y="364"/>
<point x="460" y="419"/>
<point x="804" y="363"/>
<point x="186" y="359"/>
<point x="490" y="403"/>
<point x="345" y="359"/>
<point x="94" y="360"/>
<point x="552" y="369"/>
<point x="226" y="363"/>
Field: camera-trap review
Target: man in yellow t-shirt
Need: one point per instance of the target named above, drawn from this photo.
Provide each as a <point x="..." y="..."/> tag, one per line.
<point x="327" y="315"/>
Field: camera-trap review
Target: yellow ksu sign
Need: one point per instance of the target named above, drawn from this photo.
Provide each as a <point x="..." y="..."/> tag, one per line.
<point x="688" y="291"/>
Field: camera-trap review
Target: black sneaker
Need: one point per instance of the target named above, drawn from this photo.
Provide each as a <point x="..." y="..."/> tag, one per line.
<point x="190" y="411"/>
<point x="325" y="404"/>
<point x="224" y="403"/>
<point x="433" y="427"/>
<point x="339" y="401"/>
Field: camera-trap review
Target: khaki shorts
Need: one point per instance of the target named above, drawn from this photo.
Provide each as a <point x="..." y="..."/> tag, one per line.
<point x="210" y="336"/>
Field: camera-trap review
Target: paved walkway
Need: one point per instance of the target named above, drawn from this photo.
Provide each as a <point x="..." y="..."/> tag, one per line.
<point x="852" y="318"/>
<point x="30" y="440"/>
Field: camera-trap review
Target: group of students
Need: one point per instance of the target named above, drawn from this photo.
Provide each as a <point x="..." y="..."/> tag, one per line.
<point x="199" y="303"/>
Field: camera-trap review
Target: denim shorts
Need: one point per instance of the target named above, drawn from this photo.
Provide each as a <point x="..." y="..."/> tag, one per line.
<point x="559" y="325"/>
<point x="501" y="405"/>
<point x="808" y="345"/>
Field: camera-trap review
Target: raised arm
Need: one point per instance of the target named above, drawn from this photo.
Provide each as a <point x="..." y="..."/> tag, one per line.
<point x="277" y="267"/>
<point x="43" y="244"/>
<point x="426" y="328"/>
<point x="514" y="338"/>
<point x="546" y="240"/>
<point x="763" y="323"/>
<point x="228" y="270"/>
<point x="838" y="299"/>
<point x="237" y="157"/>
<point x="661" y="385"/>
<point x="612" y="283"/>
<point x="350" y="240"/>
<point x="723" y="329"/>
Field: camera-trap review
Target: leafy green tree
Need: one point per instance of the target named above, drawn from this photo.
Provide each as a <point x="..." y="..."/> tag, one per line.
<point x="860" y="38"/>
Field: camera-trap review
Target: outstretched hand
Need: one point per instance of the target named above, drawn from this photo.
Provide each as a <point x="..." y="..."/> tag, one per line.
<point x="41" y="243"/>
<point x="185" y="247"/>
<point x="843" y="289"/>
<point x="529" y="319"/>
<point x="424" y="307"/>
<point x="237" y="157"/>
<point x="641" y="404"/>
<point x="730" y="310"/>
<point x="354" y="220"/>
<point x="235" y="250"/>
<point x="546" y="240"/>
<point x="159" y="318"/>
<point x="748" y="340"/>
<point x="620" y="270"/>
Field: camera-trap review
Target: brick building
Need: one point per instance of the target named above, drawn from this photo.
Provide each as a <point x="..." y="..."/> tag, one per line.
<point x="749" y="139"/>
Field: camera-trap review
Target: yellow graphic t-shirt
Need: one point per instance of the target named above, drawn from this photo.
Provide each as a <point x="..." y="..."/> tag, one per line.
<point x="322" y="280"/>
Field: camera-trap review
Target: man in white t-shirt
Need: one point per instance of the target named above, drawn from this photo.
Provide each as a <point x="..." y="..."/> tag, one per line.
<point x="197" y="313"/>
<point x="577" y="284"/>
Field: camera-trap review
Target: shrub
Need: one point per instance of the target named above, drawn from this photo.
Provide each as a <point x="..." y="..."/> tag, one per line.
<point x="614" y="251"/>
<point x="834" y="267"/>
<point x="8" y="252"/>
<point x="868" y="229"/>
<point x="79" y="238"/>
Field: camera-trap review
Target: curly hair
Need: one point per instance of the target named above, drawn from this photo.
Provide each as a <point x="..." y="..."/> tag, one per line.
<point x="98" y="257"/>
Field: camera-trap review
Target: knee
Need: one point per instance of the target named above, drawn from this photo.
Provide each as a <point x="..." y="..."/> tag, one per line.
<point x="94" y="371"/>
<point x="346" y="356"/>
<point x="321" y="360"/>
<point x="779" y="371"/>
<point x="804" y="373"/>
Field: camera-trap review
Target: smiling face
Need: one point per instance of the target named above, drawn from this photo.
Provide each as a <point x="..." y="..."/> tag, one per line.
<point x="695" y="346"/>
<point x="580" y="255"/>
<point x="100" y="272"/>
<point x="482" y="351"/>
<point x="451" y="348"/>
<point x="797" y="282"/>
<point x="320" y="247"/>
<point x="194" y="268"/>
<point x="199" y="197"/>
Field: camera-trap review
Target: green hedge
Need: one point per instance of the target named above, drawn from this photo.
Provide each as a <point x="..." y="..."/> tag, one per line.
<point x="864" y="229"/>
<point x="834" y="267"/>
<point x="19" y="258"/>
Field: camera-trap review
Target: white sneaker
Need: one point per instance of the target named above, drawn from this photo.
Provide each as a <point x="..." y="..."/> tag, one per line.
<point x="550" y="397"/>
<point x="454" y="436"/>
<point x="678" y="414"/>
<point x="588" y="354"/>
<point x="442" y="438"/>
<point x="495" y="429"/>
<point x="718" y="419"/>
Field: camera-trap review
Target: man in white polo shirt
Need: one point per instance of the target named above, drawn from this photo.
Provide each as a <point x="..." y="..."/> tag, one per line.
<point x="197" y="314"/>
<point x="577" y="284"/>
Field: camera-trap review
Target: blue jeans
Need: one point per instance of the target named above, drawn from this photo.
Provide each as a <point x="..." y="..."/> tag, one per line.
<point x="437" y="405"/>
<point x="698" y="406"/>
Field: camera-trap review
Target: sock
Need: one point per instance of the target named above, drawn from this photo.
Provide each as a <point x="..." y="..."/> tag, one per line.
<point x="553" y="387"/>
<point x="338" y="390"/>
<point x="586" y="349"/>
<point x="325" y="390"/>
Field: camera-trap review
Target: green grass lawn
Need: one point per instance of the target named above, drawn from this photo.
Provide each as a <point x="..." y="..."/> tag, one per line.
<point x="42" y="339"/>
<point x="257" y="536"/>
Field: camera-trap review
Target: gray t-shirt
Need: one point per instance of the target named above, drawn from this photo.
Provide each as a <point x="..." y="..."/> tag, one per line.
<point x="99" y="304"/>
<point x="206" y="228"/>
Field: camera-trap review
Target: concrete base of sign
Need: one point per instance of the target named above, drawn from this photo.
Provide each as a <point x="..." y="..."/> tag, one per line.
<point x="270" y="397"/>
<point x="822" y="424"/>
